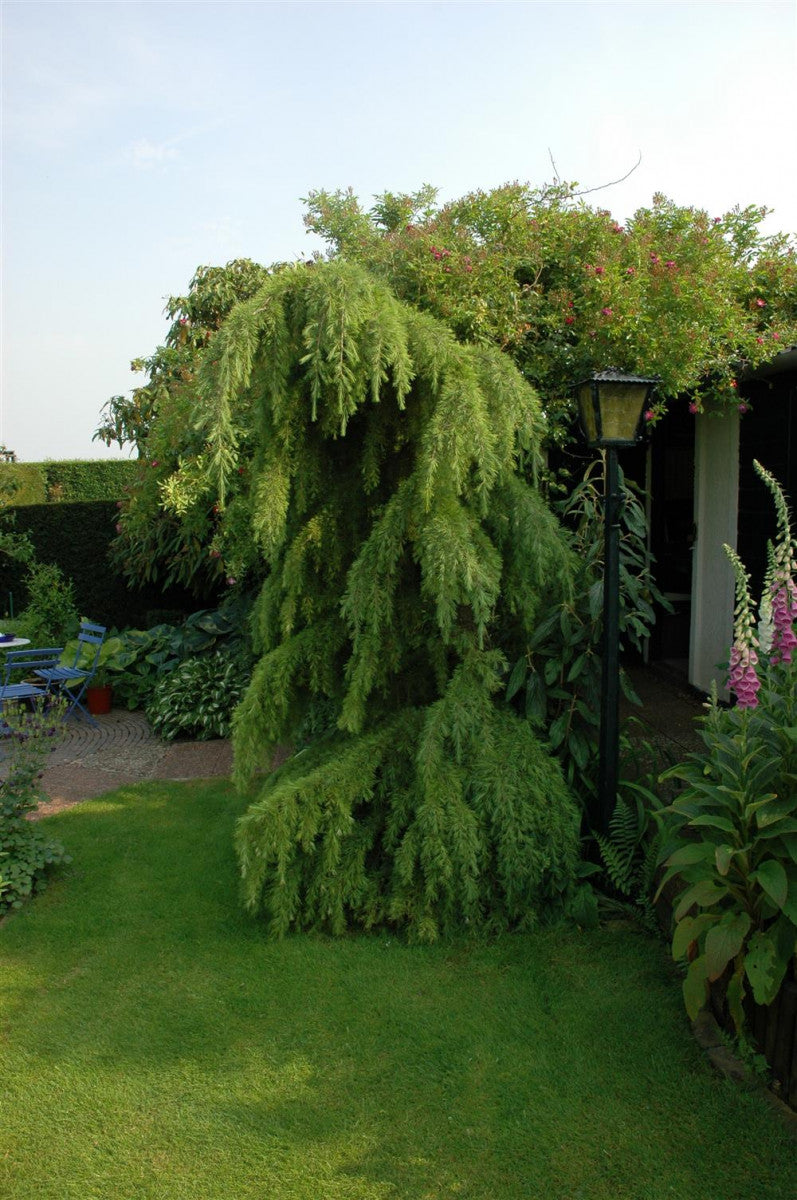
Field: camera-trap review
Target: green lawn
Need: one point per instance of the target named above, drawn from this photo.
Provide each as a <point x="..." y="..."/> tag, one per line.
<point x="153" y="1043"/>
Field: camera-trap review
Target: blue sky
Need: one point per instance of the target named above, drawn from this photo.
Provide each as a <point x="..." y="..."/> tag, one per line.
<point x="140" y="140"/>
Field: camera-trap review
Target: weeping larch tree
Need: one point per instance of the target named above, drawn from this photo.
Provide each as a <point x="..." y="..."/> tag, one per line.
<point x="406" y="554"/>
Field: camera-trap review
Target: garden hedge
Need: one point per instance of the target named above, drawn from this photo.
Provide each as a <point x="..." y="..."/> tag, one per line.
<point x="77" y="536"/>
<point x="66" y="480"/>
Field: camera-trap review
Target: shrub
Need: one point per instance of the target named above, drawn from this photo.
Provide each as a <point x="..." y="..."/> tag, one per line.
<point x="197" y="698"/>
<point x="556" y="683"/>
<point x="51" y="615"/>
<point x="26" y="854"/>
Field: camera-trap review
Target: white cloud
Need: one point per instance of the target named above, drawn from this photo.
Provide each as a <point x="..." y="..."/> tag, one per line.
<point x="145" y="154"/>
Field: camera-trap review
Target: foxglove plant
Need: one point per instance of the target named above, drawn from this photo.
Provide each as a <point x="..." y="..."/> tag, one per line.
<point x="730" y="836"/>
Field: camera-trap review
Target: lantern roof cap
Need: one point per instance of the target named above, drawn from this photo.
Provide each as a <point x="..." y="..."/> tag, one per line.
<point x="612" y="375"/>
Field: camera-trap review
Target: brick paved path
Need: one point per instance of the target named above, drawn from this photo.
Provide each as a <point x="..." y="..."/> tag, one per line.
<point x="123" y="750"/>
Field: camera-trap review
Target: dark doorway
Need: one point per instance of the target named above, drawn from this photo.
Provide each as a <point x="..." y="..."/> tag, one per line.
<point x="671" y="485"/>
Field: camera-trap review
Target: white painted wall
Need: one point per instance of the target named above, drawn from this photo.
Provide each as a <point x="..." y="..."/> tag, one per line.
<point x="716" y="520"/>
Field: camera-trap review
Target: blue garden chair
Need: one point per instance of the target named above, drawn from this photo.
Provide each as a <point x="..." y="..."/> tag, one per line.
<point x="26" y="662"/>
<point x="73" y="681"/>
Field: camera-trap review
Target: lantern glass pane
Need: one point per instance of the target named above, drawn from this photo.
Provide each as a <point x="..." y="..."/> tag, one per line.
<point x="587" y="413"/>
<point x="621" y="410"/>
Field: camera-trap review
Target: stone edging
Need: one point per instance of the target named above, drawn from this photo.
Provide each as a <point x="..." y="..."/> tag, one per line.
<point x="709" y="1037"/>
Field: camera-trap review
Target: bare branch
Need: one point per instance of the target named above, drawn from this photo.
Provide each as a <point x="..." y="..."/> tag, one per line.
<point x="600" y="188"/>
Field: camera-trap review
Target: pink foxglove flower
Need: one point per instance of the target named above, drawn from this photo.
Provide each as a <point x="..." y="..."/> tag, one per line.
<point x="743" y="681"/>
<point x="780" y="583"/>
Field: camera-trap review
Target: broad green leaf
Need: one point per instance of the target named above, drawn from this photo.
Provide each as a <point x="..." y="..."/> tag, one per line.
<point x="695" y="987"/>
<point x="703" y="894"/>
<point x="779" y="828"/>
<point x="790" y="846"/>
<point x="688" y="930"/>
<point x="789" y="906"/>
<point x="764" y="967"/>
<point x="693" y="853"/>
<point x="517" y="678"/>
<point x="771" y="876"/>
<point x="557" y="731"/>
<point x="576" y="668"/>
<point x="595" y="598"/>
<point x="552" y="669"/>
<point x="714" y="822"/>
<point x="722" y="857"/>
<point x="535" y="698"/>
<point x="735" y="997"/>
<point x="724" y="941"/>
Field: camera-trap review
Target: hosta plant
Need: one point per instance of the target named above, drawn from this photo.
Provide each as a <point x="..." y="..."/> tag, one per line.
<point x="197" y="698"/>
<point x="732" y="831"/>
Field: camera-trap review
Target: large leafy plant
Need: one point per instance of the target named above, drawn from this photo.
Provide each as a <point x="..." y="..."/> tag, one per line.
<point x="732" y="830"/>
<point x="556" y="682"/>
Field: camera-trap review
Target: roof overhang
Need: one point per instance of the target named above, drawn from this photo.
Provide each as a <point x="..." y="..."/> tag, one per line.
<point x="785" y="361"/>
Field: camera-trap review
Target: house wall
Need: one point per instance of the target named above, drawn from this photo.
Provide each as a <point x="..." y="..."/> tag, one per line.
<point x="716" y="507"/>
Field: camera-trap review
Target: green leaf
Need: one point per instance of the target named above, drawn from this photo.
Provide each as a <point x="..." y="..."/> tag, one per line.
<point x="722" y="857"/>
<point x="713" y="821"/>
<point x="686" y="855"/>
<point x="576" y="668"/>
<point x="557" y="731"/>
<point x="552" y="669"/>
<point x="517" y="678"/>
<point x="789" y="906"/>
<point x="704" y="893"/>
<point x="535" y="698"/>
<point x="764" y="967"/>
<point x="735" y="997"/>
<point x="595" y="599"/>
<point x="771" y="876"/>
<point x="688" y="930"/>
<point x="724" y="941"/>
<point x="695" y="987"/>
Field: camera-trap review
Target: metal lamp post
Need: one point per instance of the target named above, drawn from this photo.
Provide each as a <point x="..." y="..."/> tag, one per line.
<point x="612" y="407"/>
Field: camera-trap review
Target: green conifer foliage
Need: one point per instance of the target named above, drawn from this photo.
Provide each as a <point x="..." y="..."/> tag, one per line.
<point x="407" y="549"/>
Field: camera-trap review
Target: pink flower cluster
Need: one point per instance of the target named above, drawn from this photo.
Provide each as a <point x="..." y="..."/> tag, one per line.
<point x="743" y="680"/>
<point x="438" y="254"/>
<point x="784" y="614"/>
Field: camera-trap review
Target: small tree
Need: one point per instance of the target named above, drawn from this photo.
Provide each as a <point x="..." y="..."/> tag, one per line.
<point x="158" y="420"/>
<point x="407" y="551"/>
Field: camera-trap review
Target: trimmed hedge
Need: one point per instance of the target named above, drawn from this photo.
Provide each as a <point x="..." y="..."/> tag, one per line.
<point x="66" y="480"/>
<point x="77" y="536"/>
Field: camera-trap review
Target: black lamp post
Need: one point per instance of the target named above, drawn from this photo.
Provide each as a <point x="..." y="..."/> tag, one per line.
<point x="612" y="409"/>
